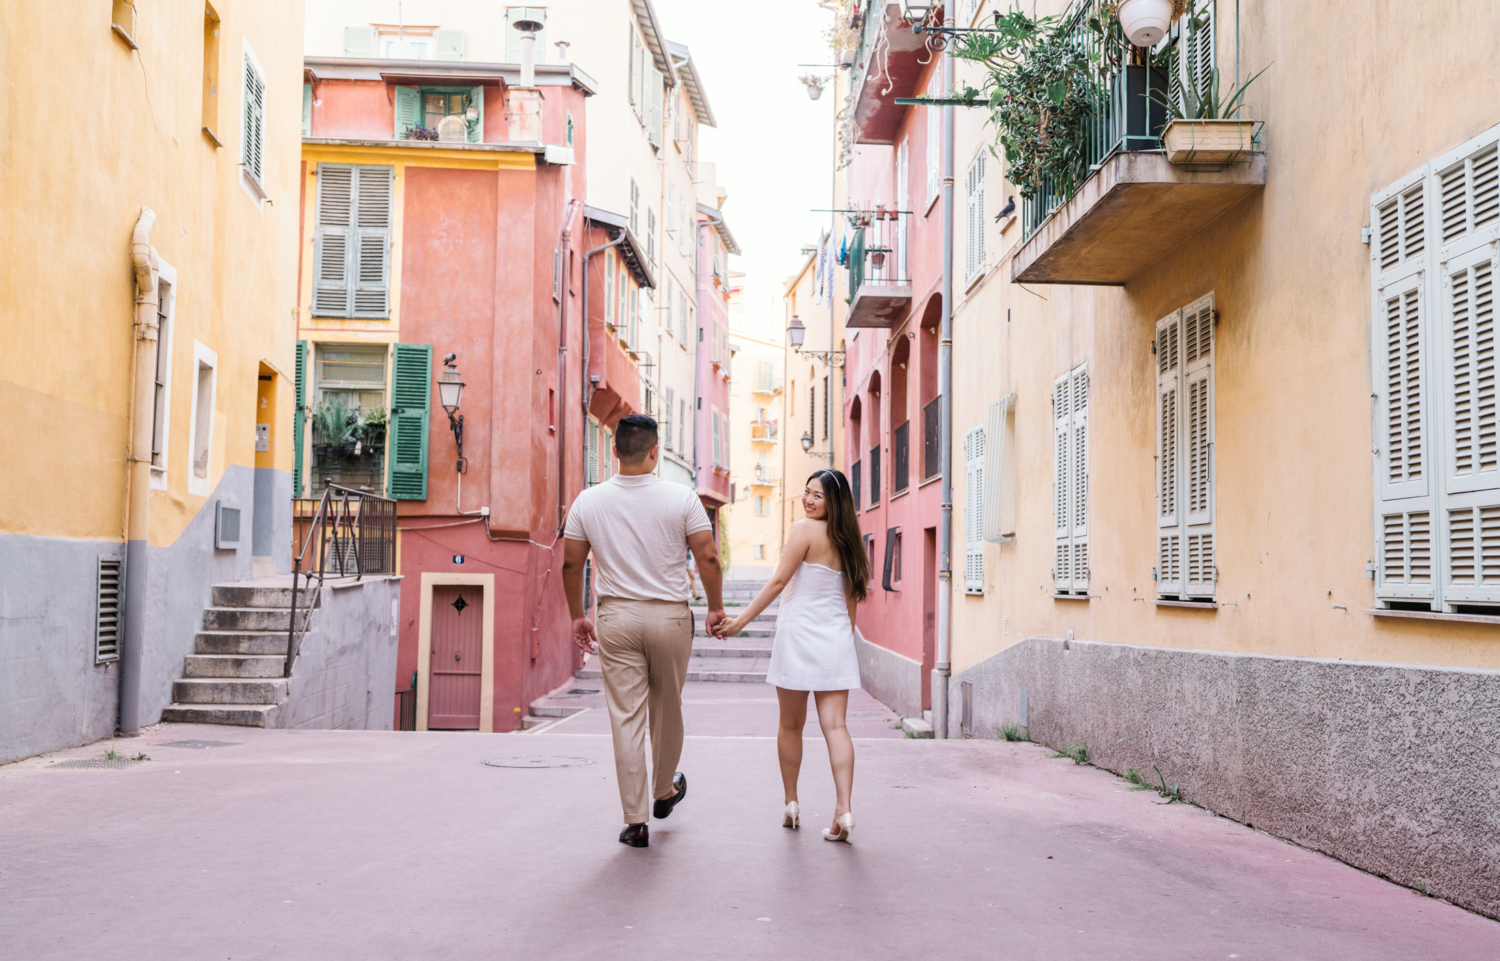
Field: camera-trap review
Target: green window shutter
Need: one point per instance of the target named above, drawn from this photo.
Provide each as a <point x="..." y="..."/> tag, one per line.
<point x="359" y="41"/>
<point x="331" y="241"/>
<point x="307" y="110"/>
<point x="371" y="270"/>
<point x="411" y="399"/>
<point x="299" y="417"/>
<point x="476" y="129"/>
<point x="450" y="45"/>
<point x="408" y="111"/>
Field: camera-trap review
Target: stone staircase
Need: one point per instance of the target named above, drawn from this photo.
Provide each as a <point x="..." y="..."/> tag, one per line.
<point x="738" y="659"/>
<point x="234" y="675"/>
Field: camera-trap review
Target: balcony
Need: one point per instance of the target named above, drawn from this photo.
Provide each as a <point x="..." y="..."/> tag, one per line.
<point x="763" y="476"/>
<point x="764" y="431"/>
<point x="1126" y="206"/>
<point x="879" y="288"/>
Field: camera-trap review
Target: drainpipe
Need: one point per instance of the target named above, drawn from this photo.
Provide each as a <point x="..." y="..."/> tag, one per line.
<point x="585" y="386"/>
<point x="565" y="244"/>
<point x="137" y="528"/>
<point x="940" y="670"/>
<point x="698" y="343"/>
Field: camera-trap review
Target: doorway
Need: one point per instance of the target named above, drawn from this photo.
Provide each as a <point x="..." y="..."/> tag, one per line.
<point x="457" y="657"/>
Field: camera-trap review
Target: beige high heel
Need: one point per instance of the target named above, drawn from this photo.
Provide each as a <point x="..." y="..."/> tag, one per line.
<point x="846" y="827"/>
<point x="792" y="816"/>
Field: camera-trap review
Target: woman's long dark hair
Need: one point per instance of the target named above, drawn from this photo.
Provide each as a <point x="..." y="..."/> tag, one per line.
<point x="843" y="530"/>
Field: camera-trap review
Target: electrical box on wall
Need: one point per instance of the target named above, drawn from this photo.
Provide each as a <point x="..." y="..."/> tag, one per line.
<point x="226" y="527"/>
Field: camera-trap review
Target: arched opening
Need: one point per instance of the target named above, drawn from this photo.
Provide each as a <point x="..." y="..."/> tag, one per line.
<point x="853" y="456"/>
<point x="900" y="417"/>
<point x="927" y="358"/>
<point x="873" y="436"/>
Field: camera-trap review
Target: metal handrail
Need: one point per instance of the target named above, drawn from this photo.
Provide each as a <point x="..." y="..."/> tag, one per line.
<point x="365" y="535"/>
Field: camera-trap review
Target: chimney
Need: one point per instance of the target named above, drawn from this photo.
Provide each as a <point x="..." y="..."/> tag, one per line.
<point x="528" y="30"/>
<point x="562" y="50"/>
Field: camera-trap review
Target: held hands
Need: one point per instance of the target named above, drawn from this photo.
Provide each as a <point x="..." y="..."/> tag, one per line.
<point x="716" y="622"/>
<point x="584" y="636"/>
<point x="727" y="626"/>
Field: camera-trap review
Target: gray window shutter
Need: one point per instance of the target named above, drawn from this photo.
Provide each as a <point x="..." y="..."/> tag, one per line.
<point x="331" y="241"/>
<point x="450" y="45"/>
<point x="307" y="99"/>
<point x="1168" y="494"/>
<point x="372" y="270"/>
<point x="408" y="111"/>
<point x="359" y="41"/>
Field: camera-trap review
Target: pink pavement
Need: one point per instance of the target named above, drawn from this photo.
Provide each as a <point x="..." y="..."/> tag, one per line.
<point x="362" y="845"/>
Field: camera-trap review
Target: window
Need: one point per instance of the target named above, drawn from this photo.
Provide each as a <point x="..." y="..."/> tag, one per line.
<point x="670" y="327"/>
<point x="352" y="242"/>
<point x="1192" y="51"/>
<point x="827" y="407"/>
<point x="593" y="439"/>
<point x="760" y="506"/>
<point x="682" y="426"/>
<point x="760" y="552"/>
<point x="420" y="110"/>
<point x="975" y="192"/>
<point x="875" y="475"/>
<point x="513" y="36"/>
<point x="122" y="20"/>
<point x="253" y="129"/>
<point x="854" y="474"/>
<point x="890" y="576"/>
<point x="1070" y="485"/>
<point x="682" y="315"/>
<point x="162" y="391"/>
<point x="870" y="549"/>
<point x="812" y="409"/>
<point x="570" y="128"/>
<point x="201" y="427"/>
<point x="349" y="400"/>
<point x="1437" y="464"/>
<point x="651" y="236"/>
<point x="622" y="308"/>
<point x="667" y="409"/>
<point x="717" y="451"/>
<point x="635" y="208"/>
<point x="393" y="46"/>
<point x="974" y="444"/>
<point x="211" y="74"/>
<point x="934" y="137"/>
<point x="1185" y="550"/>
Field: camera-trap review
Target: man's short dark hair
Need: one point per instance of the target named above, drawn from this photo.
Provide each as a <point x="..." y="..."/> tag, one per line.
<point x="635" y="435"/>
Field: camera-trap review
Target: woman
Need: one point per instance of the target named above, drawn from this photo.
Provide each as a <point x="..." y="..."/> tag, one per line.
<point x="824" y="571"/>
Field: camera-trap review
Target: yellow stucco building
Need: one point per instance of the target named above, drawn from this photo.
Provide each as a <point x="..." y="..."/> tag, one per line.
<point x="149" y="286"/>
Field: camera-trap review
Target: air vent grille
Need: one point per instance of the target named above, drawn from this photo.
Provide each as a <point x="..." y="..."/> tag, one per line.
<point x="108" y="607"/>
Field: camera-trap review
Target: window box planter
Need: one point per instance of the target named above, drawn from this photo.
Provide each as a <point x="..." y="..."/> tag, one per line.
<point x="1209" y="141"/>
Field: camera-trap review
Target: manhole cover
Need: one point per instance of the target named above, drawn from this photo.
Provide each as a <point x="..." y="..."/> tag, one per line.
<point x="198" y="745"/>
<point x="538" y="760"/>
<point x="96" y="763"/>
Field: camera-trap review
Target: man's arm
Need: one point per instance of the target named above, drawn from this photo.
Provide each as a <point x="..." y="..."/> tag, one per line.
<point x="706" y="553"/>
<point x="574" y="555"/>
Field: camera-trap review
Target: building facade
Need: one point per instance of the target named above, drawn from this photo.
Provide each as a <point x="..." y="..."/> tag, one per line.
<point x="1220" y="441"/>
<point x="755" y="441"/>
<point x="154" y="405"/>
<point x="715" y="289"/>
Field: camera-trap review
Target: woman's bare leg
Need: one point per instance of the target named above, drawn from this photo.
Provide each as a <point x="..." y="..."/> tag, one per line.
<point x="832" y="706"/>
<point x="789" y="738"/>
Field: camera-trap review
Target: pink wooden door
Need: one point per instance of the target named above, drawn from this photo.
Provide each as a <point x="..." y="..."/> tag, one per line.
<point x="457" y="635"/>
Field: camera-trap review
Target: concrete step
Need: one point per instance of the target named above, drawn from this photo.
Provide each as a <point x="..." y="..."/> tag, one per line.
<point x="530" y="721"/>
<point x="553" y="710"/>
<point x="589" y="672"/>
<point x="738" y="585"/>
<point x="764" y="617"/>
<point x="249" y="618"/>
<point x="249" y="595"/>
<point x="746" y="677"/>
<point x="717" y="648"/>
<point x="244" y="715"/>
<point x="753" y="631"/>
<point x="203" y="690"/>
<point x="235" y="665"/>
<point x="241" y="642"/>
<point x="916" y="727"/>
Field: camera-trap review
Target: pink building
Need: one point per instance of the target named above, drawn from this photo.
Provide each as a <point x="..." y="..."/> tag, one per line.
<point x="894" y="250"/>
<point x="711" y="453"/>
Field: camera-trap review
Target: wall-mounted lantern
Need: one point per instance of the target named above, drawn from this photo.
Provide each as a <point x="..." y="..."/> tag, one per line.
<point x="450" y="392"/>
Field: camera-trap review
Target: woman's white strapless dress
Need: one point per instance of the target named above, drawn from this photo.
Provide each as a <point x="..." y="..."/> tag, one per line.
<point x="814" y="645"/>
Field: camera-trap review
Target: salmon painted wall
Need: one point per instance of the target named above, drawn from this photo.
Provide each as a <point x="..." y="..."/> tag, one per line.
<point x="353" y="110"/>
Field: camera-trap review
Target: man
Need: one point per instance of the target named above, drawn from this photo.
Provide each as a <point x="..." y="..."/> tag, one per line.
<point x="640" y="529"/>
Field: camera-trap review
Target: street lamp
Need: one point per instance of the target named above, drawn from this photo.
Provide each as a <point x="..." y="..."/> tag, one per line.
<point x="450" y="391"/>
<point x="796" y="335"/>
<point x="807" y="443"/>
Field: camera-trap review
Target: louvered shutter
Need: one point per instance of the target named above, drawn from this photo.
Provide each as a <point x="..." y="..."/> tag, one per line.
<point x="299" y="416"/>
<point x="653" y="110"/>
<point x="372" y="268"/>
<point x="411" y="399"/>
<point x="307" y="99"/>
<point x="996" y="440"/>
<point x="1078" y="478"/>
<point x="450" y="44"/>
<point x="1197" y="451"/>
<point x="475" y="128"/>
<point x="359" y="41"/>
<point x="1405" y="494"/>
<point x="252" y="156"/>
<point x="1466" y="186"/>
<point x="408" y="111"/>
<point x="975" y="194"/>
<point x="974" y="454"/>
<point x="1169" y="545"/>
<point x="666" y="419"/>
<point x="593" y="452"/>
<point x="1062" y="501"/>
<point x="331" y="241"/>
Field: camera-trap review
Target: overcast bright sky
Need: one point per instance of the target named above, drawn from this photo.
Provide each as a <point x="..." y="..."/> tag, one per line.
<point x="773" y="145"/>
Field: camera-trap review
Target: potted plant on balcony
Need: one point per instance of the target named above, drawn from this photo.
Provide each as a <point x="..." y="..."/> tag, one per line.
<point x="333" y="426"/>
<point x="372" y="428"/>
<point x="1203" y="127"/>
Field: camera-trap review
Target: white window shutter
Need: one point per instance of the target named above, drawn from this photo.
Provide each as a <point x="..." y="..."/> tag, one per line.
<point x="252" y="153"/>
<point x="1169" y="547"/>
<point x="359" y="41"/>
<point x="449" y="44"/>
<point x="995" y="453"/>
<point x="331" y="241"/>
<point x="974" y="455"/>
<point x="1197" y="451"/>
<point x="1062" y="500"/>
<point x="373" y="188"/>
<point x="1078" y="478"/>
<point x="655" y="79"/>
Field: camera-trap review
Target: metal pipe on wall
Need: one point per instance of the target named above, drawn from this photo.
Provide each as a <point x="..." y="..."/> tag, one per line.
<point x="147" y="267"/>
<point x="940" y="669"/>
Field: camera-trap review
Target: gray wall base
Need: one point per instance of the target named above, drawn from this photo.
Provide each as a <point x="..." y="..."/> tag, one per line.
<point x="891" y="678"/>
<point x="1394" y="769"/>
<point x="345" y="674"/>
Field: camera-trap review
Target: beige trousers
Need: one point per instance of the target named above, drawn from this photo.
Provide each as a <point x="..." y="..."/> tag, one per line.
<point x="644" y="648"/>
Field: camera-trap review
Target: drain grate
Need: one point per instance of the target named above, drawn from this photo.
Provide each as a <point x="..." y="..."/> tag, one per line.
<point x="538" y="761"/>
<point x="95" y="763"/>
<point x="198" y="745"/>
